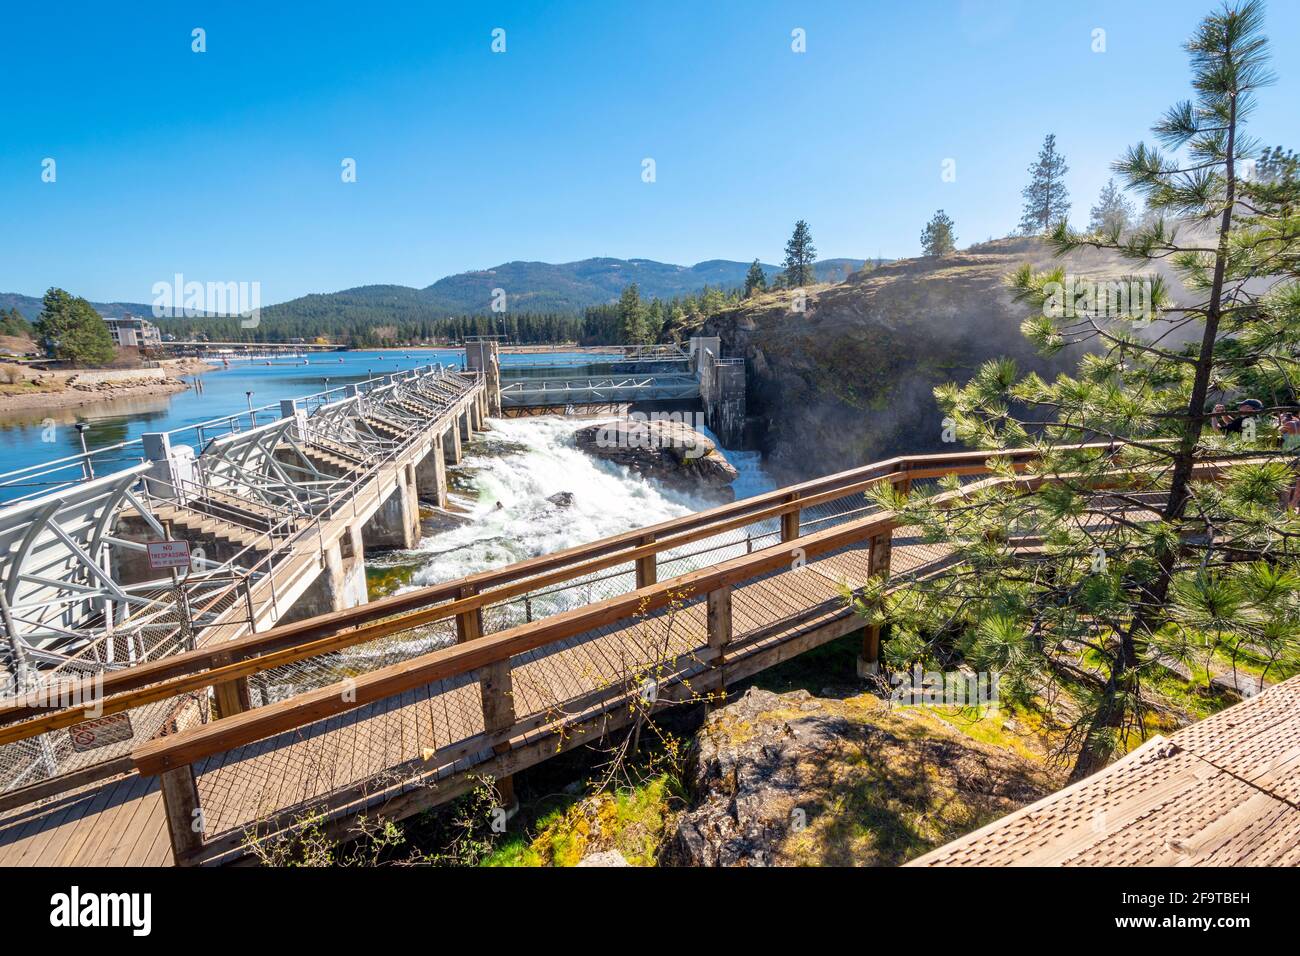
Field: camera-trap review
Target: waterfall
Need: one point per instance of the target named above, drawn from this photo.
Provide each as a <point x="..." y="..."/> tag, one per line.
<point x="521" y="463"/>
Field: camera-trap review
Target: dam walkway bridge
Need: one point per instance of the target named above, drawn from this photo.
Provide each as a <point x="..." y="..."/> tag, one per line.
<point x="267" y="516"/>
<point x="536" y="383"/>
<point x="405" y="703"/>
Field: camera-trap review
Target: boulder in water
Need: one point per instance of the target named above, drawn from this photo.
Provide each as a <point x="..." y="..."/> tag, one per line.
<point x="561" y="499"/>
<point x="669" y="451"/>
<point x="436" y="520"/>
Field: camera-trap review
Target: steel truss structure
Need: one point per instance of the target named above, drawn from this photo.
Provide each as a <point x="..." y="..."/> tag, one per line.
<point x="597" y="390"/>
<point x="63" y="606"/>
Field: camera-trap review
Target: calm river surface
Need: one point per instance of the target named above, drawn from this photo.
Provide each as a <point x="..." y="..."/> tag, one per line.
<point x="26" y="439"/>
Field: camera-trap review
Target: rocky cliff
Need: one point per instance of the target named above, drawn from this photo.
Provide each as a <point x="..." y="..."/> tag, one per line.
<point x="849" y="379"/>
<point x="796" y="780"/>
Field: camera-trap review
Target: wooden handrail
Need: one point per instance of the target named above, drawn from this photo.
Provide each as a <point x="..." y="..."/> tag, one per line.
<point x="233" y="660"/>
<point x="194" y="670"/>
<point x="620" y="548"/>
<point x="188" y="746"/>
<point x="230" y="661"/>
<point x="177" y="750"/>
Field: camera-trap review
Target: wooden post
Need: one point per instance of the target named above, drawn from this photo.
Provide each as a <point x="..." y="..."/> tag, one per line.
<point x="647" y="568"/>
<point x="790" y="520"/>
<point x="180" y="796"/>
<point x="469" y="625"/>
<point x="877" y="564"/>
<point x="497" y="693"/>
<point x="904" y="484"/>
<point x="719" y="622"/>
<point x="231" y="697"/>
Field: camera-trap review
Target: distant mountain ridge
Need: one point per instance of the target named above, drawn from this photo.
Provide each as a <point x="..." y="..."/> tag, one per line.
<point x="537" y="287"/>
<point x="29" y="306"/>
<point x="534" y="287"/>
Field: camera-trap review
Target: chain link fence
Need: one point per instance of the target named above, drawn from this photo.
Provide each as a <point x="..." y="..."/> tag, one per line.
<point x="171" y="623"/>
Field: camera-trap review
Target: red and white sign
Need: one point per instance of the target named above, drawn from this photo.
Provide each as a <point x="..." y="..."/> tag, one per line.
<point x="100" y="732"/>
<point x="168" y="554"/>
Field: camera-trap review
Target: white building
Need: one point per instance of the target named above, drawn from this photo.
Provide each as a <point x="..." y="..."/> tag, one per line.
<point x="132" y="332"/>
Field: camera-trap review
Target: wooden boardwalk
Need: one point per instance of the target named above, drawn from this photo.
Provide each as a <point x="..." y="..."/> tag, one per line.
<point x="121" y="821"/>
<point x="1221" y="792"/>
<point x="416" y="727"/>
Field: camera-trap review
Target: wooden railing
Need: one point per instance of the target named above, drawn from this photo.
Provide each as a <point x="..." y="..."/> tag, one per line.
<point x="485" y="659"/>
<point x="23" y="717"/>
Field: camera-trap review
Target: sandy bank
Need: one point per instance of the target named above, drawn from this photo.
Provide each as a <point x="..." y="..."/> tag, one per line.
<point x="34" y="389"/>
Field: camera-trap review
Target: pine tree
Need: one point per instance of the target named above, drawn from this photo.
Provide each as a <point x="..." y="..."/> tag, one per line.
<point x="755" y="280"/>
<point x="13" y="323"/>
<point x="799" y="257"/>
<point x="1277" y="164"/>
<point x="1127" y="591"/>
<point x="654" y="320"/>
<point x="71" y="330"/>
<point x="1046" y="200"/>
<point x="632" y="316"/>
<point x="1113" y="212"/>
<point x="938" y="238"/>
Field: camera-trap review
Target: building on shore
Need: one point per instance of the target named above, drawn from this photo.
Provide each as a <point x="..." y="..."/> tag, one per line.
<point x="133" y="332"/>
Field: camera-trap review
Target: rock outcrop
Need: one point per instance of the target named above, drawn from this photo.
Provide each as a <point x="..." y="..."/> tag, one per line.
<point x="791" y="779"/>
<point x="846" y="375"/>
<point x="668" y="451"/>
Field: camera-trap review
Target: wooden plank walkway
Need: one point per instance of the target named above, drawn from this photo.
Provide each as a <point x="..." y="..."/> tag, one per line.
<point x="436" y="730"/>
<point x="1221" y="792"/>
<point x="121" y="821"/>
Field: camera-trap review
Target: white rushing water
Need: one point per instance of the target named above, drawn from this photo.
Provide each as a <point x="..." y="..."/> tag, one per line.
<point x="521" y="463"/>
<point x="528" y="460"/>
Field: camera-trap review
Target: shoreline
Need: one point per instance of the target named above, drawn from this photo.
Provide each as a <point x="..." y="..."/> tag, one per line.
<point x="65" y="396"/>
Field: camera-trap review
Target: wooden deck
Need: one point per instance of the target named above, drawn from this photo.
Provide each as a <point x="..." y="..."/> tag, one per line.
<point x="1221" y="792"/>
<point x="414" y="729"/>
<point x="121" y="822"/>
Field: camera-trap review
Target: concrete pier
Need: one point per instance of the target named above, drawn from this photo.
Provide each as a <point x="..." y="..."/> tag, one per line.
<point x="396" y="522"/>
<point x="341" y="583"/>
<point x="451" y="444"/>
<point x="482" y="355"/>
<point x="722" y="390"/>
<point x="431" y="476"/>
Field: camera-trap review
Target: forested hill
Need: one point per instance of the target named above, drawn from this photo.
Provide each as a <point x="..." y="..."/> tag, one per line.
<point x="530" y="288"/>
<point x="572" y="286"/>
<point x="29" y="306"/>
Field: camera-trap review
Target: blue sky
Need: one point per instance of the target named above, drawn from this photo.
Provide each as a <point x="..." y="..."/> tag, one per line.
<point x="225" y="165"/>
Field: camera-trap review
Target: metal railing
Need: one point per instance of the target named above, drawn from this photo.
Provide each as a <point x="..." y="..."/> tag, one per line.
<point x="32" y="481"/>
<point x="271" y="531"/>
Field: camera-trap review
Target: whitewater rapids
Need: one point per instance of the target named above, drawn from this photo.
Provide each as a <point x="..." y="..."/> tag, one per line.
<point x="521" y="463"/>
<point x="524" y="461"/>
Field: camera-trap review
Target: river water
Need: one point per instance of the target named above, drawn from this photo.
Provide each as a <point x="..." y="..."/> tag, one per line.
<point x="520" y="463"/>
<point x="32" y="436"/>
